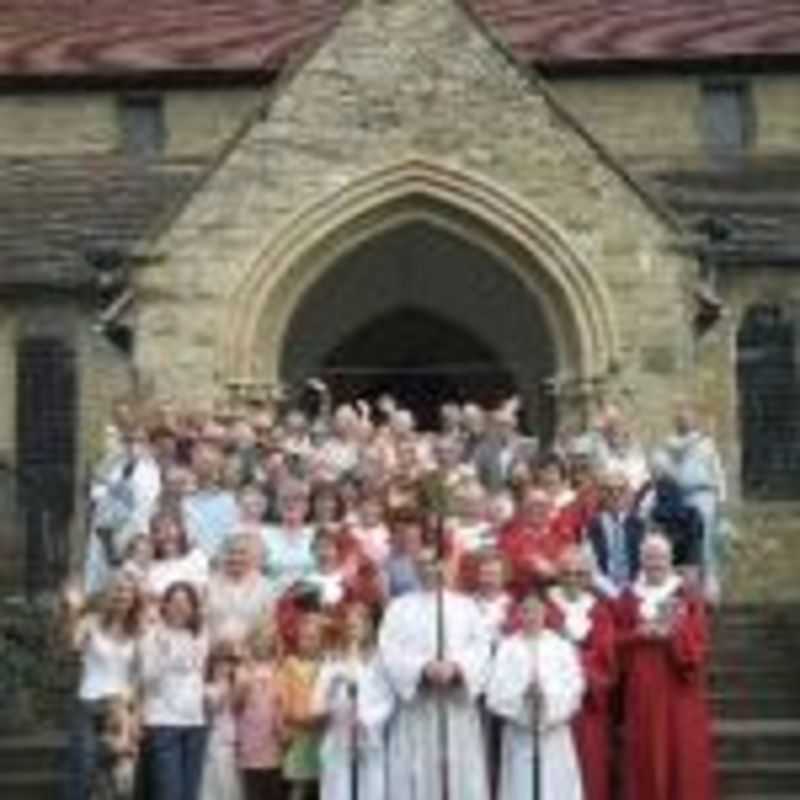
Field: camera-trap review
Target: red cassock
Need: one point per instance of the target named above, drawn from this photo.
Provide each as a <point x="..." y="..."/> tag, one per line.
<point x="574" y="517"/>
<point x="592" y="726"/>
<point x="522" y="544"/>
<point x="668" y="751"/>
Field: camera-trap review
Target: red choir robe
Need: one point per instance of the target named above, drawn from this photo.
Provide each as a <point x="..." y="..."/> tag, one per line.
<point x="589" y="624"/>
<point x="667" y="723"/>
<point x="522" y="544"/>
<point x="574" y="518"/>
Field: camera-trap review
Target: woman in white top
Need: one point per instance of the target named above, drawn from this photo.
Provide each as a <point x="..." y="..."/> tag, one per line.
<point x="239" y="596"/>
<point x="175" y="558"/>
<point x="106" y="642"/>
<point x="172" y="658"/>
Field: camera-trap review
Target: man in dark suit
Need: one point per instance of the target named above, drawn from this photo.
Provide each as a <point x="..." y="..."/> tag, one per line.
<point x="614" y="536"/>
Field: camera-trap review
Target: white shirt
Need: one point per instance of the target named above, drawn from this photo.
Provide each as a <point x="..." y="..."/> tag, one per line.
<point x="172" y="665"/>
<point x="108" y="664"/>
<point x="190" y="568"/>
<point x="237" y="606"/>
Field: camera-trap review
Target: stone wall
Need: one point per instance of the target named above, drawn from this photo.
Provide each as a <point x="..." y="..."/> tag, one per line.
<point x="47" y="124"/>
<point x="361" y="104"/>
<point x="625" y="111"/>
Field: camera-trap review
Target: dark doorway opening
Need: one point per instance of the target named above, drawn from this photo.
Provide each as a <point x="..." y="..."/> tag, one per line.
<point x="421" y="359"/>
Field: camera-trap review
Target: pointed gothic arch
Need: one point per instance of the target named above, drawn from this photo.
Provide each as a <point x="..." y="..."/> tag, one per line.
<point x="574" y="301"/>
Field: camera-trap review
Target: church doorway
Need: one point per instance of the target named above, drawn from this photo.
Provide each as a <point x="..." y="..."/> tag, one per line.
<point x="420" y="359"/>
<point x="428" y="316"/>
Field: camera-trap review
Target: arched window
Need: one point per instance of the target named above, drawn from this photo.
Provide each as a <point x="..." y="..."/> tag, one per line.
<point x="769" y="393"/>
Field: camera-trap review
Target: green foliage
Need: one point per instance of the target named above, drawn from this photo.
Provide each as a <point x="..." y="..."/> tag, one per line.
<point x="24" y="649"/>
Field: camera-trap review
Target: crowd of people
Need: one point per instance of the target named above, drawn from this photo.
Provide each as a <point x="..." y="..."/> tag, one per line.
<point x="281" y="605"/>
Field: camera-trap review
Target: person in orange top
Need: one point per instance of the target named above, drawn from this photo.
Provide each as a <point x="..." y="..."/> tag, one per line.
<point x="296" y="679"/>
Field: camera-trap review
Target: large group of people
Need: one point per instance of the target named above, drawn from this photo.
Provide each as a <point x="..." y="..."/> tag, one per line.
<point x="283" y="605"/>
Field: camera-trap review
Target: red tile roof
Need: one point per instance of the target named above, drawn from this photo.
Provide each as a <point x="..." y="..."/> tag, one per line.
<point x="100" y="37"/>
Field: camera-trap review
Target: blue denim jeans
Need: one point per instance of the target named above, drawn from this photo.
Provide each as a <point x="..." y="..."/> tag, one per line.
<point x="82" y="750"/>
<point x="174" y="762"/>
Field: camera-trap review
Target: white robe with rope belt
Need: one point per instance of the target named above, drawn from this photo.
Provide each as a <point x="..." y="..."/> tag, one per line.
<point x="374" y="702"/>
<point x="555" y="663"/>
<point x="408" y="642"/>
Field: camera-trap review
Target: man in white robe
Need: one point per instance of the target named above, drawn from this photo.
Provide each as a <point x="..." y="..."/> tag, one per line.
<point x="431" y="687"/>
<point x="537" y="674"/>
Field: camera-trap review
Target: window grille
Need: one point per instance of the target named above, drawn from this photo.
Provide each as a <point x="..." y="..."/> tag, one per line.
<point x="46" y="454"/>
<point x="769" y="392"/>
<point x="143" y="131"/>
<point x="727" y="118"/>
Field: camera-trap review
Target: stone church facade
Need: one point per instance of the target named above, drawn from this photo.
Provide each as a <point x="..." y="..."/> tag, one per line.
<point x="410" y="184"/>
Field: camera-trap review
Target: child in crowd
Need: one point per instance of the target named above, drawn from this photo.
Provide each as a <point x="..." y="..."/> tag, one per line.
<point x="354" y="699"/>
<point x="297" y="679"/>
<point x="119" y="740"/>
<point x="259" y="717"/>
<point x="328" y="580"/>
<point x="138" y="557"/>
<point x="221" y="779"/>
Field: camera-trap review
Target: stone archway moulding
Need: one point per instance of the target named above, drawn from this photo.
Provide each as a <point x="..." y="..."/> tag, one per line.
<point x="572" y="296"/>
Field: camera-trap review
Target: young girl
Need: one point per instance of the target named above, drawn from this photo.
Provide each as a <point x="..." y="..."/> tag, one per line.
<point x="173" y="654"/>
<point x="297" y="678"/>
<point x="120" y="741"/>
<point x="259" y="718"/>
<point x="221" y="779"/>
<point x="353" y="697"/>
<point x="106" y="642"/>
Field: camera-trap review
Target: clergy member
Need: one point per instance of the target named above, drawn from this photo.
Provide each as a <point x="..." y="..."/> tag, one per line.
<point x="664" y="651"/>
<point x="432" y="687"/>
<point x="537" y="684"/>
<point x="586" y="620"/>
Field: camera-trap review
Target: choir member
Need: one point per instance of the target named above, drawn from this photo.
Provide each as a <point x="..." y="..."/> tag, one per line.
<point x="354" y="698"/>
<point x="664" y="651"/>
<point x="536" y="686"/>
<point x="587" y="620"/>
<point x="433" y="683"/>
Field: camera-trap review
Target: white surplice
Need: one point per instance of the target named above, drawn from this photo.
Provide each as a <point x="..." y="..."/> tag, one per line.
<point x="408" y="642"/>
<point x="374" y="702"/>
<point x="554" y="662"/>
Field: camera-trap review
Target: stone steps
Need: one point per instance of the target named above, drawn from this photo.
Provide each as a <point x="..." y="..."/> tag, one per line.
<point x="763" y="779"/>
<point x="758" y="740"/>
<point x="767" y="706"/>
<point x="39" y="785"/>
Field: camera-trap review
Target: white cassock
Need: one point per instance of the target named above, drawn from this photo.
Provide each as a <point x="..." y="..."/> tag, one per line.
<point x="555" y="663"/>
<point x="374" y="704"/>
<point x="408" y="642"/>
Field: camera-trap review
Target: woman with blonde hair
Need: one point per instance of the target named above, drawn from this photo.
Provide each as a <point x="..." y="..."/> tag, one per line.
<point x="106" y="641"/>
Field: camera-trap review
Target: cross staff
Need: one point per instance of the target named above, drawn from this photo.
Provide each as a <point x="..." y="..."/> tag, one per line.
<point x="352" y="693"/>
<point x="435" y="501"/>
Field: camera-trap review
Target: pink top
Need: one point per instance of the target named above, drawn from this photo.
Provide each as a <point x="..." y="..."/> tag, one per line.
<point x="258" y="724"/>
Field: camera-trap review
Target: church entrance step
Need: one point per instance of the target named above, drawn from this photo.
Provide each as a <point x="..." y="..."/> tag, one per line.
<point x="758" y="740"/>
<point x="762" y="778"/>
